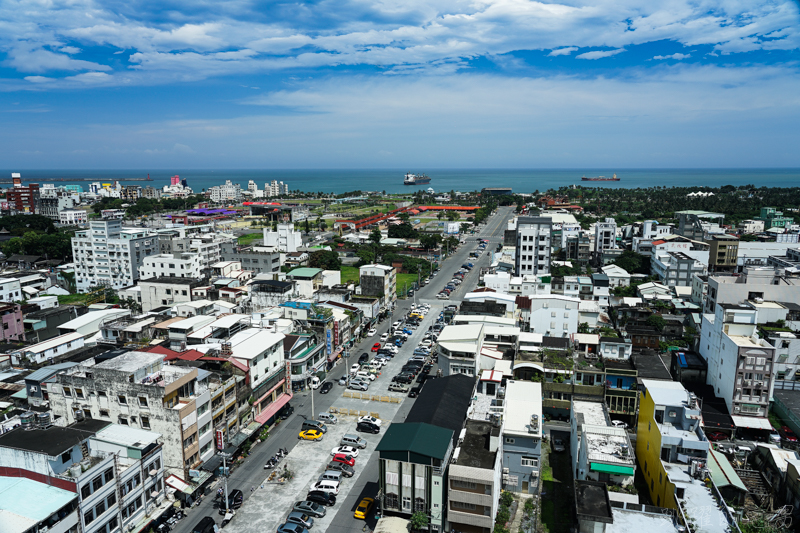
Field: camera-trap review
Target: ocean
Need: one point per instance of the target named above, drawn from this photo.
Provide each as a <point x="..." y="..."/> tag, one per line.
<point x="391" y="181"/>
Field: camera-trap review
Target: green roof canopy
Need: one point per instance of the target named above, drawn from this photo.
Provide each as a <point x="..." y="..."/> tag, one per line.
<point x="612" y="469"/>
<point x="416" y="438"/>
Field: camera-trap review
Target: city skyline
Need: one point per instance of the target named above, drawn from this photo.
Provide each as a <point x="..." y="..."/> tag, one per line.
<point x="503" y="84"/>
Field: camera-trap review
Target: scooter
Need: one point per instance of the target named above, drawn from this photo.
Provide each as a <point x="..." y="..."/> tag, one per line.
<point x="270" y="463"/>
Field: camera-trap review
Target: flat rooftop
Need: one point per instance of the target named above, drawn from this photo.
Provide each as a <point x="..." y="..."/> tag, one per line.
<point x="667" y="393"/>
<point x="24" y="503"/>
<point x="608" y="444"/>
<point x="52" y="441"/>
<point x="628" y="521"/>
<point x="592" y="412"/>
<point x="591" y="501"/>
<point x="475" y="447"/>
<point x="523" y="399"/>
<point x="697" y="500"/>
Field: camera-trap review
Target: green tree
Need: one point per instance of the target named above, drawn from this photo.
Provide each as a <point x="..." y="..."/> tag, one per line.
<point x="657" y="321"/>
<point x="325" y="259"/>
<point x="464" y="227"/>
<point x="419" y="521"/>
<point x="403" y="231"/>
<point x="404" y="216"/>
<point x="452" y="216"/>
<point x="375" y="235"/>
<point x="430" y="240"/>
<point x="583" y="327"/>
<point x="440" y="215"/>
<point x="630" y="261"/>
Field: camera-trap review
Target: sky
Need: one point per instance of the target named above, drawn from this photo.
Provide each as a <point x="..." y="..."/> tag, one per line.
<point x="397" y="84"/>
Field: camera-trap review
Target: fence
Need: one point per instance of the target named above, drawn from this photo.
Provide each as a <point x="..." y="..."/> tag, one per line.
<point x="371" y="397"/>
<point x="352" y="412"/>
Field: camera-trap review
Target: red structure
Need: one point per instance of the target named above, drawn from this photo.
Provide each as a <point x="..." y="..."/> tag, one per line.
<point x="23" y="199"/>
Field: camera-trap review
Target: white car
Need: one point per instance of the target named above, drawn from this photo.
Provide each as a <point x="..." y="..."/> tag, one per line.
<point x="347" y="450"/>
<point x="384" y="337"/>
<point x="394" y="349"/>
<point x="426" y="343"/>
<point x="413" y="306"/>
<point x="371" y="420"/>
<point x="325" y="487"/>
<point x="355" y="368"/>
<point x="372" y="332"/>
<point x="619" y="424"/>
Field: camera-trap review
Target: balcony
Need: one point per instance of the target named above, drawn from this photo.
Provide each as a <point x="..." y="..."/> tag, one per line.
<point x="475" y="498"/>
<point x="478" y="520"/>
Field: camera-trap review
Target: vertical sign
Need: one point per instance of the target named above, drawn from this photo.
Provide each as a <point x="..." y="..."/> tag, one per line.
<point x="220" y="439"/>
<point x="328" y="344"/>
<point x="336" y="339"/>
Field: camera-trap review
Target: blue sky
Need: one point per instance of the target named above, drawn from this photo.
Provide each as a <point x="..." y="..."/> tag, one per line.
<point x="371" y="84"/>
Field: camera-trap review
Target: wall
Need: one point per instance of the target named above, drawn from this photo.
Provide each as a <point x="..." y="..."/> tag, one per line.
<point x="512" y="459"/>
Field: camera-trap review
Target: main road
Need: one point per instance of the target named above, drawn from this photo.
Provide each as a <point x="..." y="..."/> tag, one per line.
<point x="251" y="473"/>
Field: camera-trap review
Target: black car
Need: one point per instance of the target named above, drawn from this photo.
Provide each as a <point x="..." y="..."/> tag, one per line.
<point x="286" y="412"/>
<point x="235" y="499"/>
<point x="414" y="392"/>
<point x="422" y="377"/>
<point x="367" y="427"/>
<point x="309" y="508"/>
<point x="364" y="358"/>
<point x="403" y="378"/>
<point x="326" y="387"/>
<point x="205" y="525"/>
<point x="324" y="498"/>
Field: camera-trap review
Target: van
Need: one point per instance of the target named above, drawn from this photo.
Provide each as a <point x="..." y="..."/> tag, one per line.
<point x="331" y="475"/>
<point x="327" y="418"/>
<point x="314" y="424"/>
<point x="353" y="440"/>
<point x="331" y="487"/>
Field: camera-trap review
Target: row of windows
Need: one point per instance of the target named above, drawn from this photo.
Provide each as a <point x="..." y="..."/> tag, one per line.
<point x="96" y="511"/>
<point x="96" y="483"/>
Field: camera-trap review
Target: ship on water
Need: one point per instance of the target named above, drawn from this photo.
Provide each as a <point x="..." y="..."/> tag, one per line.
<point x="601" y="178"/>
<point x="416" y="179"/>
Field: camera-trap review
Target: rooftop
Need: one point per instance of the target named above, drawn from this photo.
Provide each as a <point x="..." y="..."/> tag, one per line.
<point x="666" y="393"/>
<point x="697" y="500"/>
<point x="475" y="446"/>
<point x="52" y="343"/>
<point x="523" y="400"/>
<point x="591" y="501"/>
<point x="24" y="503"/>
<point x="54" y="440"/>
<point x="304" y="272"/>
<point x="172" y="280"/>
<point x="650" y="366"/>
<point x="417" y="438"/>
<point x="627" y="521"/>
<point x="443" y="402"/>
<point x="593" y="412"/>
<point x="127" y="436"/>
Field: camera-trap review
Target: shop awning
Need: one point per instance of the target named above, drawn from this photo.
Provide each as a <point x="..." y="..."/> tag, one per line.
<point x="612" y="469"/>
<point x="274" y="407"/>
<point x="335" y="354"/>
<point x="178" y="484"/>
<point x="751" y="422"/>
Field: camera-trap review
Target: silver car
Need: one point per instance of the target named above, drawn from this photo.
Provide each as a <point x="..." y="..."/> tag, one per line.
<point x="302" y="519"/>
<point x="359" y="385"/>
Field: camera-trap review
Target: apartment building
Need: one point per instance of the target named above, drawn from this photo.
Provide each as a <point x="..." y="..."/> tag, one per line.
<point x="697" y="225"/>
<point x="177" y="265"/>
<point x="459" y="350"/>
<point x="116" y="472"/>
<point x="10" y="290"/>
<point x="136" y="389"/>
<point x="31" y="506"/>
<point x="22" y="199"/>
<point x="533" y="246"/>
<point x="284" y="238"/>
<point x="605" y="235"/>
<point x="553" y="315"/>
<point x="522" y="436"/>
<point x="379" y="281"/>
<point x="414" y="459"/>
<point x="72" y="217"/>
<point x="166" y="291"/>
<point x="250" y="259"/>
<point x="676" y="269"/>
<point x="107" y="254"/>
<point x="228" y="192"/>
<point x="739" y="363"/>
<point x="600" y="451"/>
<point x="723" y="253"/>
<point x="769" y="284"/>
<point x="276" y="188"/>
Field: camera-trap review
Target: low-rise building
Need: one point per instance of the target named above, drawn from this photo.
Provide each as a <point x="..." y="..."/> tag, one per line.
<point x="166" y="291"/>
<point x="522" y="436"/>
<point x="178" y="265"/>
<point x="600" y="451"/>
<point x="73" y="217"/>
<point x="46" y="351"/>
<point x="379" y="281"/>
<point x="459" y="348"/>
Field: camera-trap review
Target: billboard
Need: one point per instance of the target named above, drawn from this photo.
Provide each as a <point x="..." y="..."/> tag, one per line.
<point x="220" y="438"/>
<point x="328" y="342"/>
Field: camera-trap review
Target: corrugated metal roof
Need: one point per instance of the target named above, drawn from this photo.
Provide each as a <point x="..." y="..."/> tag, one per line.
<point x="722" y="473"/>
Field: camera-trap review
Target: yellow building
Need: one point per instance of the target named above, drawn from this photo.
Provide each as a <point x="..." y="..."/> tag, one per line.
<point x="668" y="438"/>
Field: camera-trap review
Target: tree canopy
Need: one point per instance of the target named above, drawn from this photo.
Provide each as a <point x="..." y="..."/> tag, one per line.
<point x="325" y="259"/>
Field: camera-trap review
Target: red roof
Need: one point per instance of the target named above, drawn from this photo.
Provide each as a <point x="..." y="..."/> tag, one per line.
<point x="660" y="241"/>
<point x="162" y="350"/>
<point x="447" y="208"/>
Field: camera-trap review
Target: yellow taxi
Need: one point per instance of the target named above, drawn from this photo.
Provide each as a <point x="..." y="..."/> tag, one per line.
<point x="310" y="434"/>
<point x="363" y="508"/>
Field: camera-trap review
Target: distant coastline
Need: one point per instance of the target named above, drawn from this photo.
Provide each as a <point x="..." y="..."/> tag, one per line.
<point x="391" y="180"/>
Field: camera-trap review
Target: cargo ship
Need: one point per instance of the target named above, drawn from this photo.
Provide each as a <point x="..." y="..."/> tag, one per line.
<point x="601" y="178"/>
<point x="416" y="179"/>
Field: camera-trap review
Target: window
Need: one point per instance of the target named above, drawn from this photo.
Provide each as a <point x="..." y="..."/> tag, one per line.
<point x="112" y="524"/>
<point x="145" y="420"/>
<point x="111" y="500"/>
<point x="509" y="440"/>
<point x="391" y="500"/>
<point x="88" y="516"/>
<point x="530" y="461"/>
<point x="462" y="505"/>
<point x="122" y="399"/>
<point x="108" y="475"/>
<point x="104" y="413"/>
<point x="86" y="491"/>
<point x="101" y="393"/>
<point x="142" y="401"/>
<point x="97" y="483"/>
<point x="67" y="391"/>
<point x="458" y="484"/>
<point x="100" y="508"/>
<point x="407" y="503"/>
<point x="66" y="457"/>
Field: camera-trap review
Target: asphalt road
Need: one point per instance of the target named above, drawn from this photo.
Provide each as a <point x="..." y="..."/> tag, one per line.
<point x="252" y="473"/>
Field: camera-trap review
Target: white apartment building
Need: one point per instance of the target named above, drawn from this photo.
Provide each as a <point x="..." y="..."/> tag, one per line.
<point x="139" y="390"/>
<point x="605" y="235"/>
<point x="553" y="315"/>
<point x="766" y="283"/>
<point x="276" y="188"/>
<point x="72" y="217"/>
<point x="617" y="276"/>
<point x="379" y="281"/>
<point x="285" y="239"/>
<point x="600" y="451"/>
<point x="459" y="349"/>
<point x="533" y="246"/>
<point x="108" y="254"/>
<point x="739" y="363"/>
<point x="186" y="265"/>
<point x="229" y="192"/>
<point x="43" y="352"/>
<point x="751" y="226"/>
<point x="160" y="292"/>
<point x="676" y="269"/>
<point x="10" y="290"/>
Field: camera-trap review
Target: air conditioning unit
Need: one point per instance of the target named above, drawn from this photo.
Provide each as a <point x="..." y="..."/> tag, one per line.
<point x="505" y="471"/>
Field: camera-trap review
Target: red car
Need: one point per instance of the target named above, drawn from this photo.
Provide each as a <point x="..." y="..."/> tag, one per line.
<point x="714" y="436"/>
<point x="788" y="434"/>
<point x="376" y="347"/>
<point x="349" y="460"/>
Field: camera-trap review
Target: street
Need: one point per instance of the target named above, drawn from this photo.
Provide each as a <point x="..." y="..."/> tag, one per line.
<point x="265" y="508"/>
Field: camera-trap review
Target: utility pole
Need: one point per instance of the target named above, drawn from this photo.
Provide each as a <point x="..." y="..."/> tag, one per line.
<point x="225" y="480"/>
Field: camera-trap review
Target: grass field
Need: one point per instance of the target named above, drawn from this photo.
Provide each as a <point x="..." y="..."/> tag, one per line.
<point x="556" y="489"/>
<point x="350" y="275"/>
<point x="250" y="238"/>
<point x="72" y="299"/>
<point x="405" y="281"/>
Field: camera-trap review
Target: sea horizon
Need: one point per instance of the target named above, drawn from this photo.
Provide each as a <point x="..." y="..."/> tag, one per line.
<point x="390" y="180"/>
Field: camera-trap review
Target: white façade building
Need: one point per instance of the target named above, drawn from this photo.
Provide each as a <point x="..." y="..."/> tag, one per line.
<point x="179" y="265"/>
<point x="533" y="245"/>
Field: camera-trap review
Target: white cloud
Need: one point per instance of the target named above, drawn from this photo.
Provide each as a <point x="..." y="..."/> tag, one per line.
<point x="26" y="58"/>
<point x="677" y="56"/>
<point x="563" y="51"/>
<point x="598" y="54"/>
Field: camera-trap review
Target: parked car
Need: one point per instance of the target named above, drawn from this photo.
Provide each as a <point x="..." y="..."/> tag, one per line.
<point x="403" y="378"/>
<point x="323" y="498"/>
<point x="344" y="458"/>
<point x="788" y="434"/>
<point x="359" y="385"/>
<point x="363" y="358"/>
<point x="355" y="367"/>
<point x="384" y="337"/>
<point x="376" y="347"/>
<point x="414" y="392"/>
<point x="363" y="508"/>
<point x="370" y="419"/>
<point x="372" y="332"/>
<point x="310" y="508"/>
<point x="286" y="412"/>
<point x="296" y="517"/>
<point x="367" y="427"/>
<point x="715" y="436"/>
<point x="310" y="434"/>
<point x="558" y="445"/>
<point x="619" y="424"/>
<point x="290" y="527"/>
<point x="346" y="470"/>
<point x="343" y="380"/>
<point x="235" y="499"/>
<point x="345" y="450"/>
<point x="398" y="387"/>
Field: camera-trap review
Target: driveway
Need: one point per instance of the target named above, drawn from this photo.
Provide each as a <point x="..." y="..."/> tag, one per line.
<point x="556" y="490"/>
